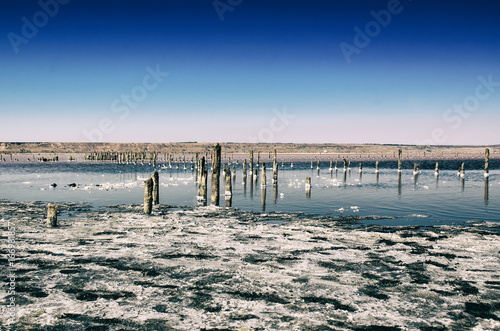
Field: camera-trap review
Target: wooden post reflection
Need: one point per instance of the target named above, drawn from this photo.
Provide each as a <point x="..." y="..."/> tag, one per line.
<point x="486" y="190"/>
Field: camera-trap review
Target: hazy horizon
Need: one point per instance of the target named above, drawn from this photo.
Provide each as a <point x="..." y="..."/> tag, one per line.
<point x="383" y="72"/>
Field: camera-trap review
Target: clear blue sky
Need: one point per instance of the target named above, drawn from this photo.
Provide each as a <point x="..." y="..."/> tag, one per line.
<point x="249" y="70"/>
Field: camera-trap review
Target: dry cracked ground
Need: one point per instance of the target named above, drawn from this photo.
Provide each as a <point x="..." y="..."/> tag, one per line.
<point x="203" y="268"/>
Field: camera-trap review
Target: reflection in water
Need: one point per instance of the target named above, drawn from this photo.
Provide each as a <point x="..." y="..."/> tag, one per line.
<point x="275" y="192"/>
<point x="244" y="186"/>
<point x="263" y="198"/>
<point x="486" y="190"/>
<point x="399" y="184"/>
<point x="251" y="189"/>
<point x="462" y="183"/>
<point x="377" y="177"/>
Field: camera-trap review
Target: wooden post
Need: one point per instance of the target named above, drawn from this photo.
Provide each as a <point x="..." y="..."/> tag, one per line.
<point x="308" y="186"/>
<point x="317" y="165"/>
<point x="227" y="175"/>
<point x="275" y="172"/>
<point x="486" y="162"/>
<point x="51" y="215"/>
<point x="216" y="161"/>
<point x="436" y="171"/>
<point x="258" y="159"/>
<point x="202" y="190"/>
<point x="400" y="153"/>
<point x="376" y="167"/>
<point x="331" y="165"/>
<point x="251" y="162"/>
<point x="263" y="178"/>
<point x="148" y="195"/>
<point x="312" y="165"/>
<point x="462" y="171"/>
<point x="156" y="188"/>
<point x="360" y="167"/>
<point x="415" y="169"/>
<point x="291" y="165"/>
<point x="244" y="168"/>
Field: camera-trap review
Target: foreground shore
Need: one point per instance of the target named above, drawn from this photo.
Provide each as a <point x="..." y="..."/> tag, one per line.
<point x="204" y="268"/>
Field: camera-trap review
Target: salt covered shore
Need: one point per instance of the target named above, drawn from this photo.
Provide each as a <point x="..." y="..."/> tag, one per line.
<point x="204" y="268"/>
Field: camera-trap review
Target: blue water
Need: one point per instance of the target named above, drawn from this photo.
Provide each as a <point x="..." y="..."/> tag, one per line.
<point x="421" y="200"/>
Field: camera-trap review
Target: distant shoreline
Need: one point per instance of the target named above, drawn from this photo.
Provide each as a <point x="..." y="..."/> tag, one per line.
<point x="314" y="150"/>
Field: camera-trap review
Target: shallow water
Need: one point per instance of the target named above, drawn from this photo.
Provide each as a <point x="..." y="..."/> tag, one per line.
<point x="372" y="199"/>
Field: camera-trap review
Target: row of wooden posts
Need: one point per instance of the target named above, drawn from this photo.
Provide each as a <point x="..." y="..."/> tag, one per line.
<point x="151" y="185"/>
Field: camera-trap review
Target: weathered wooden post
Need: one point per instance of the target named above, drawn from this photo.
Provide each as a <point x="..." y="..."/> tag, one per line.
<point x="360" y="167"/>
<point x="400" y="153"/>
<point x="51" y="215"/>
<point x="244" y="168"/>
<point x="317" y="165"/>
<point x="308" y="187"/>
<point x="263" y="178"/>
<point x="275" y="172"/>
<point x="234" y="172"/>
<point x="376" y="167"/>
<point x="250" y="165"/>
<point x="486" y="162"/>
<point x="258" y="159"/>
<point x="202" y="190"/>
<point x="156" y="188"/>
<point x="148" y="195"/>
<point x="312" y="165"/>
<point x="462" y="171"/>
<point x="227" y="177"/>
<point x="291" y="165"/>
<point x="229" y="189"/>
<point x="345" y="165"/>
<point x="216" y="161"/>
<point x="415" y="169"/>
<point x="436" y="171"/>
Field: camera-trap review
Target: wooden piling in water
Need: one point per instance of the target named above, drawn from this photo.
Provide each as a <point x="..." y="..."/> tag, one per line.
<point x="400" y="154"/>
<point x="244" y="168"/>
<point x="51" y="215"/>
<point x="250" y="165"/>
<point x="415" y="169"/>
<point x="376" y="167"/>
<point x="202" y="190"/>
<point x="156" y="187"/>
<point x="229" y="188"/>
<point x="486" y="162"/>
<point x="216" y="162"/>
<point x="148" y="195"/>
<point x="436" y="171"/>
<point x="360" y="167"/>
<point x="462" y="170"/>
<point x="308" y="186"/>
<point x="275" y="172"/>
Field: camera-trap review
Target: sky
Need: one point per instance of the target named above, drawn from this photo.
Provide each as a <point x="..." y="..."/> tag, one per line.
<point x="346" y="71"/>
